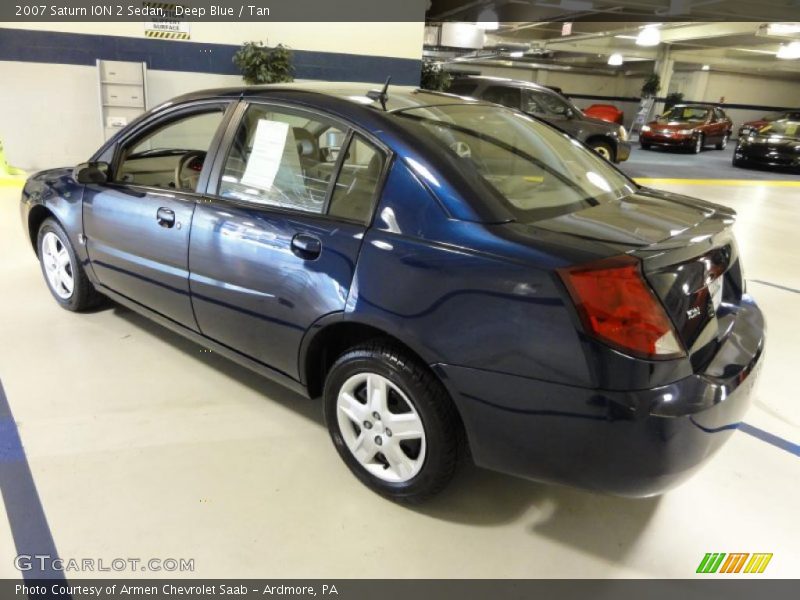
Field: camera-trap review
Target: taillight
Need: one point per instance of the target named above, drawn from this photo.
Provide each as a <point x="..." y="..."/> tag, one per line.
<point x="617" y="306"/>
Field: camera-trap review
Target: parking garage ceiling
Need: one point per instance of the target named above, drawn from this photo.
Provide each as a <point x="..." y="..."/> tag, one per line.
<point x="581" y="35"/>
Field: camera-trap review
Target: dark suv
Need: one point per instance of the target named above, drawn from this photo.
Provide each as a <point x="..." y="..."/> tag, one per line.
<point x="607" y="139"/>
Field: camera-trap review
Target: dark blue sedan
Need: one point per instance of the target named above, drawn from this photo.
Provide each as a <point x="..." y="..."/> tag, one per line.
<point x="452" y="277"/>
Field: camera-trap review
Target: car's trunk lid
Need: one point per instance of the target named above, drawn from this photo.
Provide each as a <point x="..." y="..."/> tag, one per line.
<point x="689" y="257"/>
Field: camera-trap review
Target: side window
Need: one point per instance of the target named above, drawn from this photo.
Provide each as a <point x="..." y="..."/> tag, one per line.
<point x="719" y="114"/>
<point x="277" y="158"/>
<point x="462" y="88"/>
<point x="354" y="192"/>
<point x="532" y="103"/>
<point x="172" y="155"/>
<point x="507" y="96"/>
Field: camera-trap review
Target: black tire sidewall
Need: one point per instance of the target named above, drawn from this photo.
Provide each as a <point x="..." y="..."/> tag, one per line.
<point x="81" y="286"/>
<point x="436" y="434"/>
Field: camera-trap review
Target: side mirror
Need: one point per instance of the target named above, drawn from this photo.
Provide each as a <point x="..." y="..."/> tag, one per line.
<point x="569" y="113"/>
<point x="91" y="172"/>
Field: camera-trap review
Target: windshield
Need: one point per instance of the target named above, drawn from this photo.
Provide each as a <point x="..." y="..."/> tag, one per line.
<point x="686" y="113"/>
<point x="538" y="171"/>
<point x="783" y="127"/>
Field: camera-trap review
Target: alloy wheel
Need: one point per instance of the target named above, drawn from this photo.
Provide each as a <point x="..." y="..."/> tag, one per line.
<point x="603" y="151"/>
<point x="381" y="427"/>
<point x="698" y="144"/>
<point x="57" y="266"/>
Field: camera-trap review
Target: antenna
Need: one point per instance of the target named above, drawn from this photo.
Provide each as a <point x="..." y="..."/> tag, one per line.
<point x="383" y="95"/>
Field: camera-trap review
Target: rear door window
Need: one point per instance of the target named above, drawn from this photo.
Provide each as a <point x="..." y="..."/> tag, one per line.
<point x="507" y="96"/>
<point x="281" y="158"/>
<point x="354" y="194"/>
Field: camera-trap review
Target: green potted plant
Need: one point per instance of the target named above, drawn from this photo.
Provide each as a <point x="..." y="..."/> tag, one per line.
<point x="433" y="77"/>
<point x="259" y="63"/>
<point x="672" y="99"/>
<point x="651" y="86"/>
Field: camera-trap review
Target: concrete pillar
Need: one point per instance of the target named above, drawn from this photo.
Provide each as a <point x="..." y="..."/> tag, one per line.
<point x="664" y="67"/>
<point x="541" y="77"/>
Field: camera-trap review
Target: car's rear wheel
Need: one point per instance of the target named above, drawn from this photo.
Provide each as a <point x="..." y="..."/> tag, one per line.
<point x="62" y="270"/>
<point x="699" y="143"/>
<point x="392" y="422"/>
<point x="604" y="149"/>
<point x="723" y="143"/>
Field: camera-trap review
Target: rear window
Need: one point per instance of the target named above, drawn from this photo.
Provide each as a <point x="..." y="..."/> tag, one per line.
<point x="537" y="171"/>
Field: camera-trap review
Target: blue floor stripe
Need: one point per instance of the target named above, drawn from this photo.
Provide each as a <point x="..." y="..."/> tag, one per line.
<point x="26" y="516"/>
<point x="775" y="285"/>
<point x="770" y="438"/>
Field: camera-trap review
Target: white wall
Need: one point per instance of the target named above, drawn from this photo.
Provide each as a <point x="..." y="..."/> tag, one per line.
<point x="51" y="113"/>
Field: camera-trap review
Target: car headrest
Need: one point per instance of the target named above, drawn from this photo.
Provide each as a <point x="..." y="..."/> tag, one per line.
<point x="305" y="148"/>
<point x="306" y="144"/>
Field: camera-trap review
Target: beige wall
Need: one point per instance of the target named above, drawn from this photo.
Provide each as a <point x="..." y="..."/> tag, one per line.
<point x="399" y="40"/>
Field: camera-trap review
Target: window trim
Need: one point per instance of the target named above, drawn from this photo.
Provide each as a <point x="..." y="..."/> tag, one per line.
<point x="170" y="114"/>
<point x="223" y="150"/>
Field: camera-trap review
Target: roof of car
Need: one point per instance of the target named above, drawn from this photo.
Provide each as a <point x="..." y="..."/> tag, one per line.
<point x="506" y="82"/>
<point x="399" y="97"/>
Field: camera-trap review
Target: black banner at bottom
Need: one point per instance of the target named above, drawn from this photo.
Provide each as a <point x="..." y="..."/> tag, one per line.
<point x="401" y="589"/>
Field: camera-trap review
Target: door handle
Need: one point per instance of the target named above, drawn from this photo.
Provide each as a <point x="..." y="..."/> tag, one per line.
<point x="306" y="246"/>
<point x="165" y="217"/>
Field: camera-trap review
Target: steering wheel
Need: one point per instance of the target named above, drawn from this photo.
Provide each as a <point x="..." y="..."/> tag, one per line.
<point x="182" y="181"/>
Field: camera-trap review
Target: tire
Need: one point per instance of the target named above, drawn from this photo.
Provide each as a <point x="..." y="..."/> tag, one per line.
<point x="62" y="270"/>
<point x="604" y="149"/>
<point x="645" y="146"/>
<point x="699" y="144"/>
<point x="432" y="434"/>
<point x="723" y="142"/>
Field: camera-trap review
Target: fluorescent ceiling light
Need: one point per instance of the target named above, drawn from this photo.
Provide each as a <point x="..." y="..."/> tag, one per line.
<point x="518" y="54"/>
<point x="649" y="36"/>
<point x="615" y="60"/>
<point x="789" y="51"/>
<point x="626" y="37"/>
<point x="705" y="68"/>
<point x="783" y="28"/>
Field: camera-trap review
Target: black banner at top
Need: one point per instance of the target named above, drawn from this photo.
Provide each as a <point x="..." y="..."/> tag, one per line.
<point x="397" y="10"/>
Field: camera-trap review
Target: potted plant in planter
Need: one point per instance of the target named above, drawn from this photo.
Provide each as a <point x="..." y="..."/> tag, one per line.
<point x="262" y="64"/>
<point x="434" y="78"/>
<point x="651" y="86"/>
<point x="672" y="99"/>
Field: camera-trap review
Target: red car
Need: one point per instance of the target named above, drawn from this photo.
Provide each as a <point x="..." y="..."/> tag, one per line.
<point x="690" y="126"/>
<point x="605" y="112"/>
<point x="755" y="126"/>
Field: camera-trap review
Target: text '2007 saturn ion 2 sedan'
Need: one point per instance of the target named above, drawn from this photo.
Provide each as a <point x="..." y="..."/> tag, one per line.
<point x="448" y="275"/>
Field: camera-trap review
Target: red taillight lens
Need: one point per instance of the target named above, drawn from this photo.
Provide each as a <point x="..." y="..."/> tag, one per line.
<point x="617" y="306"/>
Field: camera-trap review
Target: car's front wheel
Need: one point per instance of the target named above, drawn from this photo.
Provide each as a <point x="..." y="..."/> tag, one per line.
<point x="62" y="270"/>
<point x="723" y="143"/>
<point x="604" y="149"/>
<point x="392" y="422"/>
<point x="699" y="143"/>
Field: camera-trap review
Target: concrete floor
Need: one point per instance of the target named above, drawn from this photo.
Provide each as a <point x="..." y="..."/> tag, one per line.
<point x="142" y="445"/>
<point x="711" y="163"/>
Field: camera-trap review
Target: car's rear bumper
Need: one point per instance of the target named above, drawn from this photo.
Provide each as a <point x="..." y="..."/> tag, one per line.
<point x="635" y="443"/>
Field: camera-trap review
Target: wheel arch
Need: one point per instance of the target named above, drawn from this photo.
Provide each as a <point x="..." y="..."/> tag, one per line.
<point x="37" y="215"/>
<point x="329" y="338"/>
